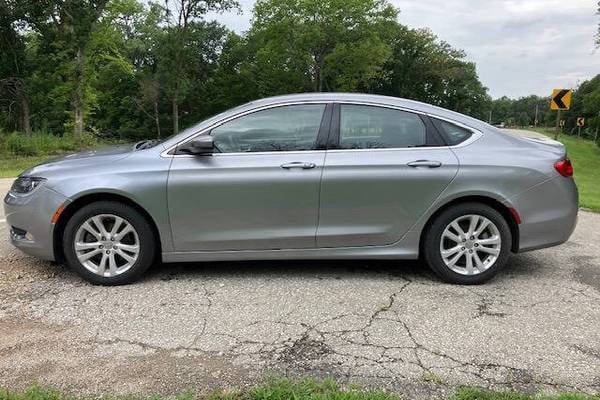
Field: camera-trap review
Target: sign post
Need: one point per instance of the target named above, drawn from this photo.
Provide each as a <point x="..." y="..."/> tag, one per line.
<point x="560" y="100"/>
<point x="580" y="124"/>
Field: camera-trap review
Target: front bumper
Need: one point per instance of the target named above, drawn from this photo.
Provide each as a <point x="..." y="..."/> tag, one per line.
<point x="548" y="212"/>
<point x="29" y="221"/>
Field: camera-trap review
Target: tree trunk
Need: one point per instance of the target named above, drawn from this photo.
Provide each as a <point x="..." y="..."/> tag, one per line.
<point x="156" y="120"/>
<point x="78" y="101"/>
<point x="26" y="115"/>
<point x="175" y="115"/>
<point x="319" y="66"/>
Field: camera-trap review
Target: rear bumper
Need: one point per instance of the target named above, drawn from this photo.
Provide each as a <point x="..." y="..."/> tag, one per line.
<point x="548" y="213"/>
<point x="29" y="221"/>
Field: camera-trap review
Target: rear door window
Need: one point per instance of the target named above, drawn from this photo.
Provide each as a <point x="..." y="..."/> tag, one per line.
<point x="372" y="127"/>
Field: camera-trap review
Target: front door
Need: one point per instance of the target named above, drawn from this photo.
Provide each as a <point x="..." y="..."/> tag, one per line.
<point x="386" y="168"/>
<point x="259" y="191"/>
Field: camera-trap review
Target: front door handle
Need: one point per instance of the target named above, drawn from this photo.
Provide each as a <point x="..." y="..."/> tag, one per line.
<point x="298" y="164"/>
<point x="425" y="163"/>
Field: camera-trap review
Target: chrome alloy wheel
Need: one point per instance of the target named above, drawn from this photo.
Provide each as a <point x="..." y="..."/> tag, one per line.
<point x="470" y="244"/>
<point x="107" y="245"/>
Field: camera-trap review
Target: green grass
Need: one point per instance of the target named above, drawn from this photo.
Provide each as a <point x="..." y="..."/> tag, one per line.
<point x="284" y="389"/>
<point x="11" y="166"/>
<point x="585" y="156"/>
<point x="19" y="152"/>
<point x="471" y="393"/>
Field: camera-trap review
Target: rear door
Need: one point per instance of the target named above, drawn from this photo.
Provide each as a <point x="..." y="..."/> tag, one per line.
<point x="384" y="168"/>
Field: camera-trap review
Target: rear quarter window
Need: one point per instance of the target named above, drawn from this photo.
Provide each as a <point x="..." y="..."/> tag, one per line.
<point x="453" y="134"/>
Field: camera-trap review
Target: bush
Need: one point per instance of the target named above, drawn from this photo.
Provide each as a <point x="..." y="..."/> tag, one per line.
<point x="43" y="143"/>
<point x="18" y="145"/>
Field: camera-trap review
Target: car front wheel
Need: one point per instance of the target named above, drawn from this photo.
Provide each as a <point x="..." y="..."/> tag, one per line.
<point x="468" y="243"/>
<point x="108" y="243"/>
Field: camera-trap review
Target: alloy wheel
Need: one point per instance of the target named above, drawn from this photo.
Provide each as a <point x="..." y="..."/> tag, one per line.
<point x="107" y="245"/>
<point x="470" y="244"/>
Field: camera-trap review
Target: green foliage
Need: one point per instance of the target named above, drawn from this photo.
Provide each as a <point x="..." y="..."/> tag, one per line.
<point x="32" y="393"/>
<point x="426" y="69"/>
<point x="139" y="69"/>
<point x="311" y="45"/>
<point x="43" y="144"/>
<point x="521" y="112"/>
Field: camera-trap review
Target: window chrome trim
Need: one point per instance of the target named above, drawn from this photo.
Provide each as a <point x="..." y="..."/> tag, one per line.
<point x="474" y="137"/>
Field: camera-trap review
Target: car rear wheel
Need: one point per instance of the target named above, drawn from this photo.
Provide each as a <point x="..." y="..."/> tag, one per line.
<point x="468" y="243"/>
<point x="108" y="243"/>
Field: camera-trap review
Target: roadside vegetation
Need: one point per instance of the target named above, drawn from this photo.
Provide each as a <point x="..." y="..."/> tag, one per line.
<point x="19" y="152"/>
<point x="299" y="390"/>
<point x="140" y="69"/>
<point x="586" y="162"/>
<point x="524" y="111"/>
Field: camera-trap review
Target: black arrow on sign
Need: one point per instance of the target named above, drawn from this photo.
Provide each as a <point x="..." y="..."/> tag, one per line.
<point x="558" y="98"/>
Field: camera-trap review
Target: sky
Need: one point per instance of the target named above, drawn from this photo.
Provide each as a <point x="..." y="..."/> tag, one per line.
<point x="520" y="47"/>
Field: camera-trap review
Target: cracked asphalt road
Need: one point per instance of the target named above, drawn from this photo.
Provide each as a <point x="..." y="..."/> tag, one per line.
<point x="384" y="324"/>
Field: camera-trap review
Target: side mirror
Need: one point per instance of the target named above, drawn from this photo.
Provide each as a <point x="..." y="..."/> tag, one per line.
<point x="201" y="145"/>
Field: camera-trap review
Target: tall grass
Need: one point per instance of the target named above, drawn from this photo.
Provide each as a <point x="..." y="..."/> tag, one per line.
<point x="19" y="152"/>
<point x="42" y="144"/>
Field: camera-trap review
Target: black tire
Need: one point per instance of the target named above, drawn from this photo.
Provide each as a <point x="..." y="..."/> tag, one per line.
<point x="147" y="245"/>
<point x="433" y="236"/>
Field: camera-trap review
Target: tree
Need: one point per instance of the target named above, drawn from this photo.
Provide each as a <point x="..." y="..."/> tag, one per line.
<point x="234" y="81"/>
<point x="15" y="69"/>
<point x="522" y="111"/>
<point x="311" y="45"/>
<point x="60" y="32"/>
<point x="131" y="68"/>
<point x="125" y="92"/>
<point x="425" y="69"/>
<point x="177" y="53"/>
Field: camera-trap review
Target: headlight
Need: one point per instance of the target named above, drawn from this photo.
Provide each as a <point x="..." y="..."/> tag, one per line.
<point x="26" y="184"/>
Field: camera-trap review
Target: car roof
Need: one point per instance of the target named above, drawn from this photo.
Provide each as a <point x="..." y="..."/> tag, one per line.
<point x="369" y="98"/>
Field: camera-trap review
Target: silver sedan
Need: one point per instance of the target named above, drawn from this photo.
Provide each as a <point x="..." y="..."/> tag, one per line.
<point x="311" y="176"/>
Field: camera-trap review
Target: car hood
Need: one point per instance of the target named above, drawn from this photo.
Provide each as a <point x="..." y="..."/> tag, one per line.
<point x="102" y="156"/>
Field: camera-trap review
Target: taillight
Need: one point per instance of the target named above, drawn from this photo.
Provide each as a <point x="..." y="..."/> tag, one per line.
<point x="564" y="167"/>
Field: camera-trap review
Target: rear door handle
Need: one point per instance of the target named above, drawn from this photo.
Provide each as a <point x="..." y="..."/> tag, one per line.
<point x="298" y="164"/>
<point x="425" y="163"/>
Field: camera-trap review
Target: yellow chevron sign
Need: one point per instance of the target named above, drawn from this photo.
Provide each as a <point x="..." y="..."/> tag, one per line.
<point x="561" y="99"/>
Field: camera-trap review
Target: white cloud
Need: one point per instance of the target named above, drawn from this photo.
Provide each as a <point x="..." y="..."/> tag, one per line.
<point x="520" y="47"/>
